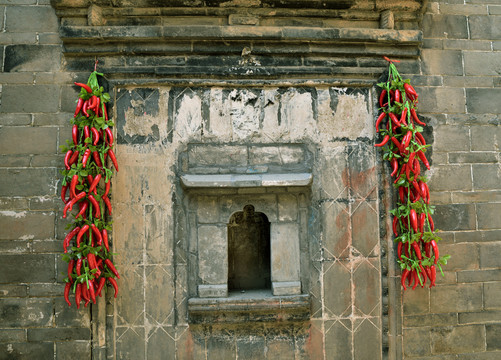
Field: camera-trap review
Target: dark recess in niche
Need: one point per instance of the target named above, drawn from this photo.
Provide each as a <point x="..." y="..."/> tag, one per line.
<point x="248" y="250"/>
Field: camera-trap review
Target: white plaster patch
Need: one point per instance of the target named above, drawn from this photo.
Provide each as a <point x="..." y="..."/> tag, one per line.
<point x="297" y="114"/>
<point x="351" y="118"/>
<point x="14" y="214"/>
<point x="189" y="117"/>
<point x="244" y="110"/>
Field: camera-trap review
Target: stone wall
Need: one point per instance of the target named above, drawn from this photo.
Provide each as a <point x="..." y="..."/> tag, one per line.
<point x="457" y="77"/>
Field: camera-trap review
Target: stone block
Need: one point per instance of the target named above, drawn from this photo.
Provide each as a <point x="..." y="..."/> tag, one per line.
<point x="485" y="138"/>
<point x="67" y="316"/>
<point x="7" y="290"/>
<point x="47" y="289"/>
<point x="280" y="288"/>
<point x="451" y="138"/>
<point x="31" y="19"/>
<point x="489" y="254"/>
<point x="473" y="158"/>
<point x="12" y="335"/>
<point x="463" y="256"/>
<point x="295" y="115"/>
<point x="161" y="342"/>
<point x="25" y="225"/>
<point x="29" y="98"/>
<point x="365" y="228"/>
<point x="226" y="155"/>
<point x="13" y="119"/>
<point x="456" y="298"/>
<point x="455" y="217"/>
<point x="337" y="229"/>
<point x="130" y="343"/>
<point x="221" y="347"/>
<point x="367" y="341"/>
<point x="338" y="340"/>
<point x="461" y="339"/>
<point x="28" y="350"/>
<point x="351" y="119"/>
<point x="159" y="241"/>
<point x="28" y="140"/>
<point x="485" y="177"/>
<point x="276" y="155"/>
<point x="333" y="173"/>
<point x="483" y="100"/>
<point x="18" y="312"/>
<point x="489" y="216"/>
<point x="478" y="276"/>
<point x="450" y="178"/>
<point x="416" y="301"/>
<point x="209" y="291"/>
<point x="493" y="334"/>
<point x="62" y="334"/>
<point x="484" y="27"/>
<point x="417" y="342"/>
<point x="265" y="203"/>
<point x="482" y="63"/>
<point x="367" y="284"/>
<point x="284" y="252"/>
<point x="29" y="268"/>
<point x="213" y="244"/>
<point x="68" y="350"/>
<point x="492" y="294"/>
<point x="128" y="226"/>
<point x="130" y="301"/>
<point x="441" y="100"/>
<point x="337" y="288"/>
<point x="207" y="210"/>
<point x="159" y="287"/>
<point x="362" y="170"/>
<point x="426" y="320"/>
<point x="445" y="62"/>
<point x="480" y="317"/>
<point x="445" y="26"/>
<point x="32" y="58"/>
<point x="287" y="207"/>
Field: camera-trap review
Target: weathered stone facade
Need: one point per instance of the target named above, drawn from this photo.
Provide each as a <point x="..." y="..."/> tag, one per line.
<point x="219" y="105"/>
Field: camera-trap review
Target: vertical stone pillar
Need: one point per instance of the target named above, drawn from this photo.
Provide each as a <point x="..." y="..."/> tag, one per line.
<point x="213" y="261"/>
<point x="285" y="259"/>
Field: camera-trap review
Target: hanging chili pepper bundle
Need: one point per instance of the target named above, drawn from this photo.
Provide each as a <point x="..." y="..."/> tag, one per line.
<point x="404" y="146"/>
<point x="86" y="247"/>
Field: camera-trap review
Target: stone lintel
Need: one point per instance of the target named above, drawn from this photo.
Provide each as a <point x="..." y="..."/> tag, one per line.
<point x="253" y="305"/>
<point x="213" y="291"/>
<point x="244" y="180"/>
<point x="280" y="288"/>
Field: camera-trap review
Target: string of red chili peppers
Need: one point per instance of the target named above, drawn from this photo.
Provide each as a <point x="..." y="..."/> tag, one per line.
<point x="86" y="247"/>
<point x="404" y="147"/>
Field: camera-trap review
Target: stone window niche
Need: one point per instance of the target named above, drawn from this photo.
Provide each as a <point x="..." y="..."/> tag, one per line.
<point x="247" y="232"/>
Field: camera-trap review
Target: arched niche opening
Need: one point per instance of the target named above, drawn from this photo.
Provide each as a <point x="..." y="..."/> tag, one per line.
<point x="249" y="260"/>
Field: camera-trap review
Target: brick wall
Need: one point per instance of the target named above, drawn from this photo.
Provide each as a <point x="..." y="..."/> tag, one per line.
<point x="35" y="322"/>
<point x="459" y="93"/>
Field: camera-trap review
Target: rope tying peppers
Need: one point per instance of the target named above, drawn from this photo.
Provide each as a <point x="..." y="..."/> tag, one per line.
<point x="87" y="176"/>
<point x="412" y="222"/>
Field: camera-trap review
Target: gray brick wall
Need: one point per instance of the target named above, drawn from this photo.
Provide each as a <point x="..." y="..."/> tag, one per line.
<point x="457" y="77"/>
<point x="35" y="322"/>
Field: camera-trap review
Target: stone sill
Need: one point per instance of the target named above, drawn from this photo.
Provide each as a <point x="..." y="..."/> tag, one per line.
<point x="253" y="305"/>
<point x="244" y="180"/>
<point x="239" y="32"/>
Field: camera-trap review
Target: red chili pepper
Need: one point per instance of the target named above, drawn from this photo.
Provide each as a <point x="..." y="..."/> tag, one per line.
<point x="416" y="279"/>
<point x="110" y="266"/>
<point x="382" y="98"/>
<point x="82" y="231"/>
<point x="406" y="140"/>
<point x="423" y="159"/>
<point x="430" y="220"/>
<point x="408" y="172"/>
<point x="434" y="246"/>
<point x="69" y="237"/>
<point x="79" y="267"/>
<point x="422" y="219"/>
<point x="69" y="204"/>
<point x="105" y="240"/>
<point x="389" y="60"/>
<point x="97" y="233"/>
<point x="399" y="249"/>
<point x="397" y="143"/>
<point x="95" y="182"/>
<point x="108" y="203"/>
<point x="109" y="134"/>
<point x="405" y="274"/>
<point x="413" y="217"/>
<point x="64" y="189"/>
<point x="91" y="258"/>
<point x="415" y="117"/>
<point x="73" y="158"/>
<point x="78" y="295"/>
<point x="410" y="92"/>
<point x="85" y="107"/>
<point x="67" y="158"/>
<point x="96" y="107"/>
<point x="403" y="117"/>
<point x="394" y="166"/>
<point x="86" y="87"/>
<point x="97" y="159"/>
<point x="398" y="97"/>
<point x="85" y="294"/>
<point x="95" y="205"/>
<point x="83" y="208"/>
<point x="113" y="282"/>
<point x="113" y="159"/>
<point x="67" y="289"/>
<point x="92" y="292"/>
<point x="71" y="264"/>
<point x="95" y="136"/>
<point x="420" y="137"/>
<point x="433" y="271"/>
<point x="427" y="249"/>
<point x="107" y="188"/>
<point x="417" y="250"/>
<point x="394" y="226"/>
<point x="384" y="142"/>
<point x="100" y="286"/>
<point x="401" y="194"/>
<point x="92" y="102"/>
<point x="402" y="171"/>
<point x="423" y="274"/>
<point x="378" y="121"/>
<point x="79" y="106"/>
<point x="85" y="157"/>
<point x="427" y="197"/>
<point x="105" y="112"/>
<point x="416" y="169"/>
<point x="394" y="120"/>
<point x="73" y="184"/>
